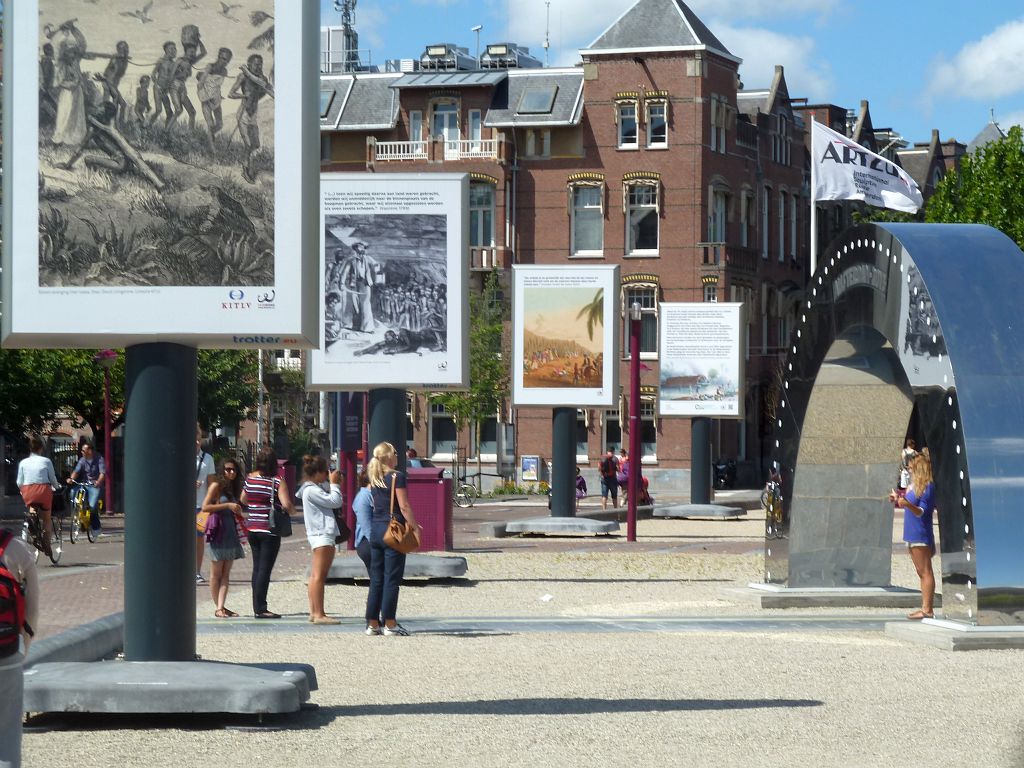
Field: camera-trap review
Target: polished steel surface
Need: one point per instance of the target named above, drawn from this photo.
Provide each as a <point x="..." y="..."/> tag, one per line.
<point x="927" y="315"/>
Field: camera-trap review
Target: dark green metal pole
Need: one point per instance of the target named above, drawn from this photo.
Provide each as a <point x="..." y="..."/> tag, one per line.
<point x="563" y="462"/>
<point x="387" y="421"/>
<point x="700" y="461"/>
<point x="159" y="503"/>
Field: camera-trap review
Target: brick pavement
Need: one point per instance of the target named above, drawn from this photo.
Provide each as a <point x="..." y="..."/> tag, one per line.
<point x="89" y="582"/>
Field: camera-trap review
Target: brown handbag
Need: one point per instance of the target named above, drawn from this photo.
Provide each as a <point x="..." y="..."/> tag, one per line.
<point x="400" y="536"/>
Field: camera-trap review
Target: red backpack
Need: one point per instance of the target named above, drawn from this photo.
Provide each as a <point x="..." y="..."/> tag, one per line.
<point x="12" y="604"/>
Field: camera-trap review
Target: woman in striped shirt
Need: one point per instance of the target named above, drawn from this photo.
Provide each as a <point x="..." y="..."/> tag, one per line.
<point x="261" y="486"/>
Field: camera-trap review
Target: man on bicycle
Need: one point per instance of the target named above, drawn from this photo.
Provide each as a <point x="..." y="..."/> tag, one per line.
<point x="93" y="471"/>
<point x="37" y="481"/>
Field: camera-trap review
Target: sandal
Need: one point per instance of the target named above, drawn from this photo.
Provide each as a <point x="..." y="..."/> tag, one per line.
<point x="919" y="614"/>
<point x="229" y="613"/>
<point x="222" y="613"/>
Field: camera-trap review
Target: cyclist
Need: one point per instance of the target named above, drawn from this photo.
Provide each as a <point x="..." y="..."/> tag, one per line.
<point x="92" y="469"/>
<point x="37" y="481"/>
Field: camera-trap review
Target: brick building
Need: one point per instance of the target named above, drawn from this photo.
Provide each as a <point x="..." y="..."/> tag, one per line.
<point x="647" y="154"/>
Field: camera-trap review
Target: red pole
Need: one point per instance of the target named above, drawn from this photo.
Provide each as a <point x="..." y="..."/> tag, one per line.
<point x="108" y="456"/>
<point x="351" y="487"/>
<point x="633" y="477"/>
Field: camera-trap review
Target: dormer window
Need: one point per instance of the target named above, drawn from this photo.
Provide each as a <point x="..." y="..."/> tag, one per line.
<point x="626" y="120"/>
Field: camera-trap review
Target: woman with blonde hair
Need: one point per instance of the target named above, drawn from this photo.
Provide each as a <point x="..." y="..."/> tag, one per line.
<point x="387" y="566"/>
<point x="321" y="495"/>
<point x="918" y="505"/>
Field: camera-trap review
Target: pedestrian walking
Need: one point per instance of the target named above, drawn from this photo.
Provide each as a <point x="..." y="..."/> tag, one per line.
<point x="387" y="565"/>
<point x="204" y="476"/>
<point x="262" y="490"/>
<point x="321" y="495"/>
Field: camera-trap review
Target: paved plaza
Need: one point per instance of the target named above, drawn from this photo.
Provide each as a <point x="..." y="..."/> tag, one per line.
<point x="562" y="651"/>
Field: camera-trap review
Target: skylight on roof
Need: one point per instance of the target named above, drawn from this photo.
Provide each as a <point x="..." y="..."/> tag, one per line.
<point x="537" y="100"/>
<point x="326" y="98"/>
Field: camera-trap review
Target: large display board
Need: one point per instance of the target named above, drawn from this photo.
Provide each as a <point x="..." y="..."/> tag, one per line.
<point x="393" y="282"/>
<point x="701" y="353"/>
<point x="160" y="173"/>
<point x="565" y="350"/>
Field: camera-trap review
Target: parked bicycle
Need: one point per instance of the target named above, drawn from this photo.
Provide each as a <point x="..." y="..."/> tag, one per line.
<point x="32" y="533"/>
<point x="81" y="515"/>
<point x="464" y="494"/>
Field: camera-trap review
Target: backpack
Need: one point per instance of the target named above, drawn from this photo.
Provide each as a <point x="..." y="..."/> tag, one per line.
<point x="608" y="467"/>
<point x="12" y="604"/>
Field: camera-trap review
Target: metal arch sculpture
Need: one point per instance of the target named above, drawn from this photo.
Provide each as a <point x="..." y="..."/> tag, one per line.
<point x="918" y="324"/>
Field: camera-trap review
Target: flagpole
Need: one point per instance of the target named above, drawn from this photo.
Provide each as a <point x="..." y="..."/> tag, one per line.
<point x="814" y="208"/>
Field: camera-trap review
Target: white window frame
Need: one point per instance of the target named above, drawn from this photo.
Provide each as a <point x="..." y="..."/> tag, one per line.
<point x="607" y="416"/>
<point x="484" y="242"/>
<point x="573" y="208"/>
<point x="711" y="293"/>
<point x="537" y="142"/>
<point x="622" y="119"/>
<point x="475" y="128"/>
<point x="766" y="201"/>
<point x="652" y="191"/>
<point x="437" y="413"/>
<point x="662" y="105"/>
<point x="783" y="201"/>
<point x="582" y="458"/>
<point x="649" y="415"/>
<point x="415" y="125"/>
<point x="792" y="226"/>
<point x="647" y="294"/>
<point x="718" y="225"/>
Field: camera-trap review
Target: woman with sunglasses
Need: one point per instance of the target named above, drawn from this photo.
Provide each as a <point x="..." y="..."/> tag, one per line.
<point x="226" y="533"/>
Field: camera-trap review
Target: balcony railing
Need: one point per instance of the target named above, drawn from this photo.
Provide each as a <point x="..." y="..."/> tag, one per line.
<point x="466" y="149"/>
<point x="401" y="150"/>
<point x="488" y="257"/>
<point x="722" y="254"/>
<point x="288" y="363"/>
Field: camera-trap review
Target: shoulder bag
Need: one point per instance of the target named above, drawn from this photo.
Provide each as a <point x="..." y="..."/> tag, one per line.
<point x="400" y="536"/>
<point x="281" y="523"/>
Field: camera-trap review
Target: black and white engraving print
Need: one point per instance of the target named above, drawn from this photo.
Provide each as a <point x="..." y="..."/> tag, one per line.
<point x="156" y="143"/>
<point x="385" y="285"/>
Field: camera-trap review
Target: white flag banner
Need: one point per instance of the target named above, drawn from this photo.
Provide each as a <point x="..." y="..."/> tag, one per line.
<point x="844" y="170"/>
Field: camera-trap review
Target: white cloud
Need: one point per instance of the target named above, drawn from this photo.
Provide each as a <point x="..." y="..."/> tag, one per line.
<point x="807" y="75"/>
<point x="751" y="9"/>
<point x="987" y="68"/>
<point x="1014" y="118"/>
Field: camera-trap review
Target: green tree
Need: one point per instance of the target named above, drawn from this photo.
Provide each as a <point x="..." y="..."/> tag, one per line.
<point x="29" y="401"/>
<point x="228" y="386"/>
<point x="488" y="362"/>
<point x="988" y="189"/>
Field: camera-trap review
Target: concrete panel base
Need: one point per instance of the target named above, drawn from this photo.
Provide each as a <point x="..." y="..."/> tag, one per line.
<point x="416" y="567"/>
<point x="954" y="636"/>
<point x="684" y="511"/>
<point x="100" y="639"/>
<point x="561" y="526"/>
<point x="161" y="687"/>
<point x="777" y="596"/>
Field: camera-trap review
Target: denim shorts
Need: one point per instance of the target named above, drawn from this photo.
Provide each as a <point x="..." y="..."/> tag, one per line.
<point x="320" y="540"/>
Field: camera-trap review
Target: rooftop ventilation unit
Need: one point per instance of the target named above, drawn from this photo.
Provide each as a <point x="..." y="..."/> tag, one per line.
<point x="508" y="56"/>
<point x="445" y="57"/>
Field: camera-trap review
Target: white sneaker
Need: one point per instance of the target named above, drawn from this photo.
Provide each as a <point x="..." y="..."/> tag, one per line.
<point x="372" y="631"/>
<point x="398" y="631"/>
<point x="200" y="579"/>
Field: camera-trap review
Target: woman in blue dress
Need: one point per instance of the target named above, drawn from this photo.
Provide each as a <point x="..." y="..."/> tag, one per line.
<point x="918" y="505"/>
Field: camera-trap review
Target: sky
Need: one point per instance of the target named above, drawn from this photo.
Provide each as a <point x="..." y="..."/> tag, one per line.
<point x="921" y="64"/>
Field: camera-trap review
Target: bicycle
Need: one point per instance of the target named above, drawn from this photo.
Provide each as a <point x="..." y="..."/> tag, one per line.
<point x="81" y="515"/>
<point x="32" y="533"/>
<point x="464" y="494"/>
<point x="771" y="500"/>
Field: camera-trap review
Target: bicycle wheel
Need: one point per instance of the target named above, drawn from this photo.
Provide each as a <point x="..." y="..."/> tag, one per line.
<point x="465" y="495"/>
<point x="89" y="532"/>
<point x="74" y="526"/>
<point x="57" y="542"/>
<point x="26" y="536"/>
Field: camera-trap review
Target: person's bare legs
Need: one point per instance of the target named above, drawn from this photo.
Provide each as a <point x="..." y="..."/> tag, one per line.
<point x="47" y="527"/>
<point x="200" y="548"/>
<point x="220" y="579"/>
<point x="922" y="559"/>
<point x="322" y="559"/>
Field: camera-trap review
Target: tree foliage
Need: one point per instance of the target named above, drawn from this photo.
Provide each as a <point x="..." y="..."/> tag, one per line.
<point x="488" y="363"/>
<point x="228" y="384"/>
<point x="987" y="189"/>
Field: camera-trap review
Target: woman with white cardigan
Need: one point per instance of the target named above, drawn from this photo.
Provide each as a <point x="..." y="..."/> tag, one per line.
<point x="321" y="495"/>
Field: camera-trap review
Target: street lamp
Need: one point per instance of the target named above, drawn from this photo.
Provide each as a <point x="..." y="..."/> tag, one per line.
<point x="106" y="358"/>
<point x="633" y="477"/>
<point x="477" y="29"/>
